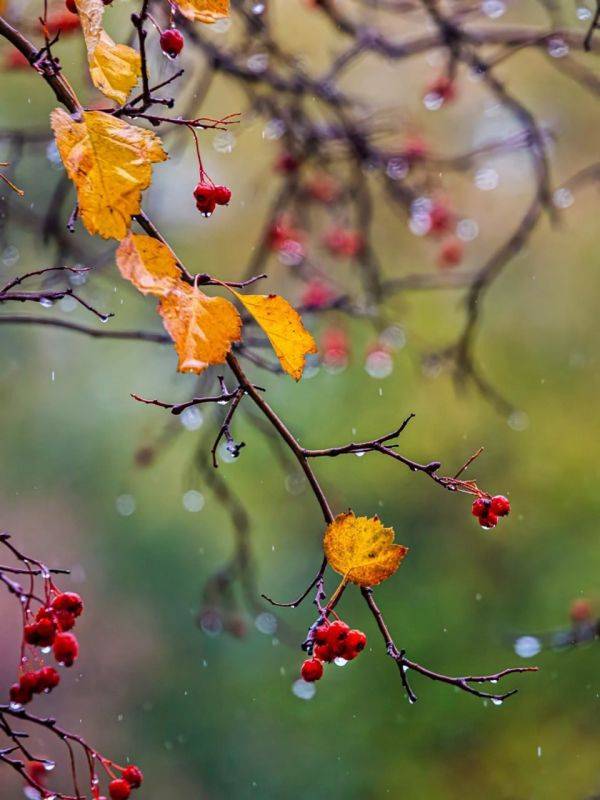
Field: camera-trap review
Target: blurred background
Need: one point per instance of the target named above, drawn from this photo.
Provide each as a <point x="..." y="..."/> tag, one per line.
<point x="199" y="685"/>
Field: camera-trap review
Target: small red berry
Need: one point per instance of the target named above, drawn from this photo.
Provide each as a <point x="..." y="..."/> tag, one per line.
<point x="119" y="789"/>
<point x="354" y="643"/>
<point x="286" y="163"/>
<point x="133" y="775"/>
<point x="46" y="631"/>
<point x="451" y="253"/>
<point x="581" y="610"/>
<point x="171" y="42"/>
<point x="65" y="620"/>
<point x="480" y="506"/>
<point x="312" y="670"/>
<point x="48" y="679"/>
<point x="500" y="505"/>
<point x="324" y="652"/>
<point x="19" y="695"/>
<point x="321" y="634"/>
<point x="440" y="219"/>
<point x="488" y="520"/>
<point x="338" y="630"/>
<point x="66" y="649"/>
<point x="70" y="4"/>
<point x="222" y="195"/>
<point x="68" y="601"/>
<point x="29" y="682"/>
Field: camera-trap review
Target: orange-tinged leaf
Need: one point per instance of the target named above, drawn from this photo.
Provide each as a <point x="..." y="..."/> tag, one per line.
<point x="203" y="328"/>
<point x="149" y="264"/>
<point x="115" y="68"/>
<point x="110" y="162"/>
<point x="203" y="10"/>
<point x="362" y="549"/>
<point x="283" y="326"/>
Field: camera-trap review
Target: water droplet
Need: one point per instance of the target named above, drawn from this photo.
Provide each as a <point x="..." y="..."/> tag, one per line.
<point x="45" y="302"/>
<point x="467" y="230"/>
<point x="583" y="14"/>
<point x="192" y="418"/>
<point x="496" y="701"/>
<point x="379" y="364"/>
<point x="258" y="63"/>
<point x="258" y="8"/>
<point x="52" y="154"/>
<point x="394" y="336"/>
<point x="340" y="662"/>
<point x="266" y="623"/>
<point x="493" y="8"/>
<point x="303" y="689"/>
<point x="193" y="501"/>
<point x="557" y="47"/>
<point x="10" y="256"/>
<point x="563" y="198"/>
<point x="295" y="483"/>
<point x="486" y="179"/>
<point x="274" y="129"/>
<point x="518" y="421"/>
<point x="433" y="101"/>
<point x="397" y="168"/>
<point x="539" y="751"/>
<point x="125" y="505"/>
<point x="527" y="646"/>
<point x="224" y="142"/>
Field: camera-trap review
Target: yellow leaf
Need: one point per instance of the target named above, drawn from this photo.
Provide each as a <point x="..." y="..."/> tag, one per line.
<point x="203" y="328"/>
<point x="361" y="549"/>
<point x="115" y="68"/>
<point x="203" y="10"/>
<point x="110" y="163"/>
<point x="149" y="264"/>
<point x="283" y="326"/>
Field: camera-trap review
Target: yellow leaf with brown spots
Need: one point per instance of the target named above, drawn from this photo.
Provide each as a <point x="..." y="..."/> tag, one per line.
<point x="110" y="163"/>
<point x="284" y="328"/>
<point x="203" y="328"/>
<point x="362" y="549"/>
<point x="149" y="264"/>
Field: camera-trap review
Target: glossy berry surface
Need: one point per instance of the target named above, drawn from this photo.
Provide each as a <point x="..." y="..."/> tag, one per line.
<point x="119" y="789"/>
<point x="66" y="649"/>
<point x="500" y="505"/>
<point x="480" y="506"/>
<point x="222" y="195"/>
<point x="171" y="42"/>
<point x="133" y="775"/>
<point x="312" y="670"/>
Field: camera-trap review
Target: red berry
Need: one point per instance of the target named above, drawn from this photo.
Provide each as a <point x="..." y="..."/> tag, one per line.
<point x="30" y="634"/>
<point x="65" y="620"/>
<point x="354" y="643"/>
<point x="321" y="634"/>
<point x="19" y="695"/>
<point x="480" y="506"/>
<point x="323" y="652"/>
<point x="119" y="789"/>
<point x="338" y="630"/>
<point x="70" y="4"/>
<point x="489" y="520"/>
<point x="286" y="163"/>
<point x="68" y="601"/>
<point x="46" y="631"/>
<point x="29" y="682"/>
<point x="312" y="670"/>
<point x="581" y="610"/>
<point x="171" y="42"/>
<point x="133" y="775"/>
<point x="66" y="649"/>
<point x="222" y="195"/>
<point x="48" y="679"/>
<point x="451" y="253"/>
<point x="500" y="505"/>
<point x="204" y="194"/>
<point x="440" y="219"/>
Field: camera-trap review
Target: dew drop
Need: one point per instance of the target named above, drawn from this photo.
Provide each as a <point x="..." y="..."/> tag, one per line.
<point x="303" y="689"/>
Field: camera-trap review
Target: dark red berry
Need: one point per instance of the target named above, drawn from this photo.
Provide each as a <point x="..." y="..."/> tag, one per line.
<point x="68" y="601"/>
<point x="29" y="682"/>
<point x="222" y="195"/>
<point x="66" y="649"/>
<point x="500" y="505"/>
<point x="480" y="506"/>
<point x="489" y="520"/>
<point x="133" y="775"/>
<point x="324" y="652"/>
<point x="312" y="670"/>
<point x="171" y="42"/>
<point x="65" y="620"/>
<point x="581" y="610"/>
<point x="354" y="643"/>
<point x="338" y="630"/>
<point x="48" y="679"/>
<point x="119" y="789"/>
<point x="321" y="634"/>
<point x="19" y="695"/>
<point x="70" y="4"/>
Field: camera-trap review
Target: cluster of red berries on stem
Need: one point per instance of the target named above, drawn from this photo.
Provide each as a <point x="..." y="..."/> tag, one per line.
<point x="332" y="640"/>
<point x="48" y="628"/>
<point x="208" y="195"/>
<point x="489" y="509"/>
<point x="120" y="788"/>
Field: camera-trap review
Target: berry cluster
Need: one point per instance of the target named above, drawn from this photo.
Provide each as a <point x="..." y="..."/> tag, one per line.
<point x="332" y="640"/>
<point x="489" y="509"/>
<point x="120" y="788"/>
<point x="48" y="628"/>
<point x="208" y="196"/>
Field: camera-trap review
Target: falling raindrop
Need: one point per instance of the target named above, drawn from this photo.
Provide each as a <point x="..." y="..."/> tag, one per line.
<point x="266" y="623"/>
<point x="45" y="302"/>
<point x="193" y="501"/>
<point x="340" y="662"/>
<point x="303" y="689"/>
<point x="125" y="505"/>
<point x="527" y="646"/>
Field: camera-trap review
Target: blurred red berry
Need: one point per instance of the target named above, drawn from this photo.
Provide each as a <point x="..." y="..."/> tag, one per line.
<point x="480" y="506"/>
<point x="451" y="253"/>
<point x="66" y="649"/>
<point x="119" y="789"/>
<point x="287" y="163"/>
<point x="444" y="87"/>
<point x="64" y="22"/>
<point x="344" y="242"/>
<point x="581" y="610"/>
<point x="316" y="295"/>
<point x="72" y="7"/>
<point x="222" y="195"/>
<point x="440" y="219"/>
